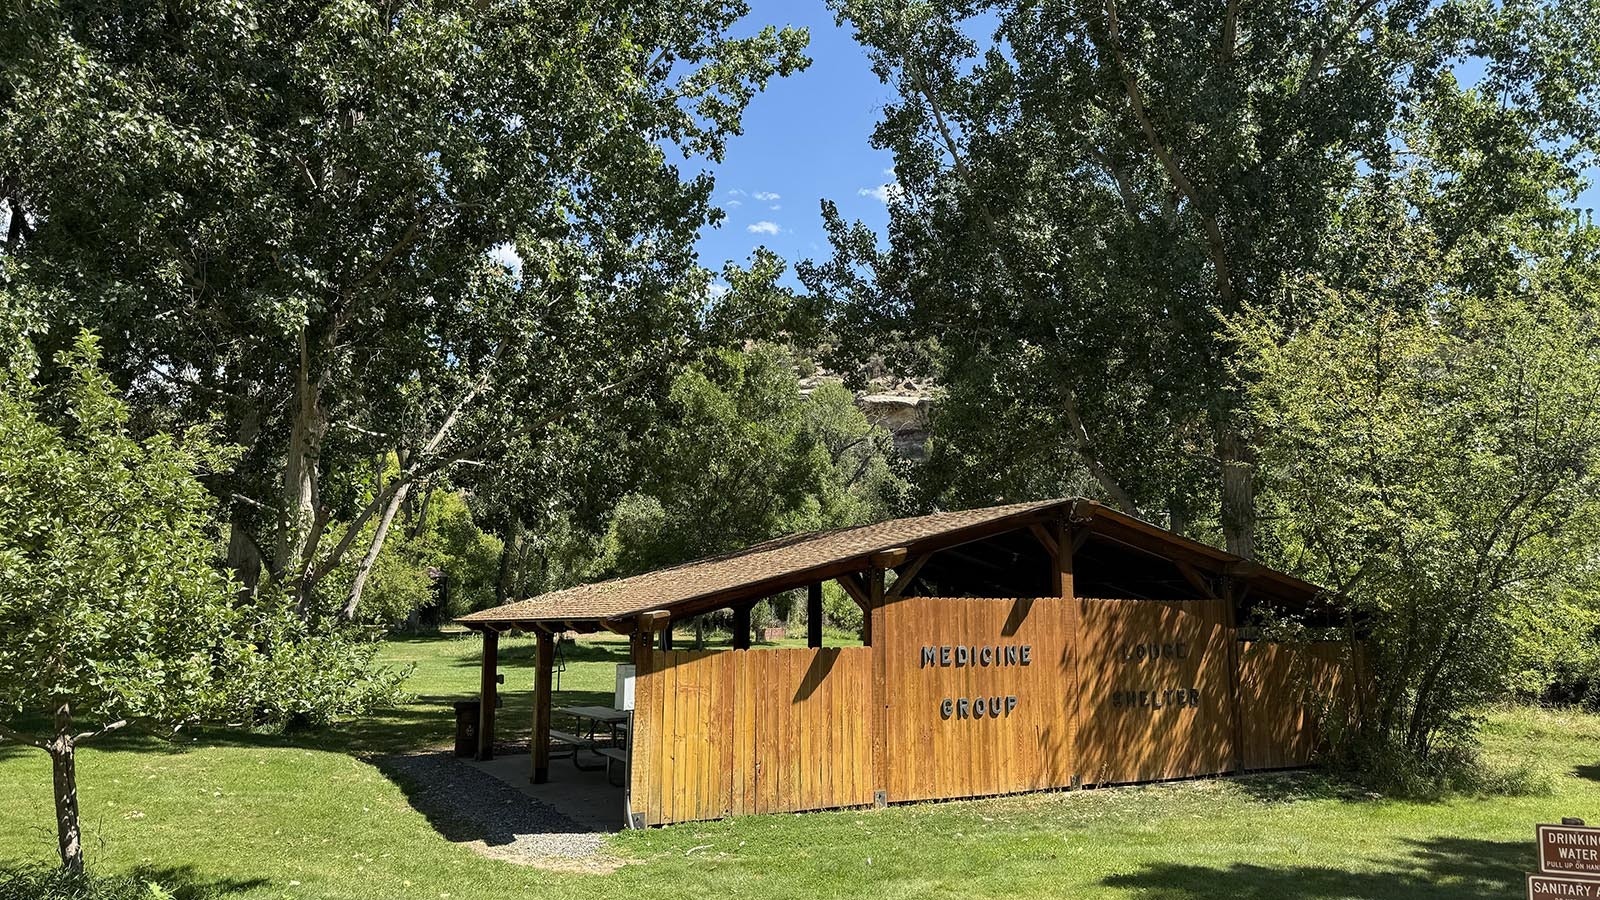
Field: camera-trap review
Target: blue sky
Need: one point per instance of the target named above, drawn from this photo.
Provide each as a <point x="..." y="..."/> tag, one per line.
<point x="805" y="138"/>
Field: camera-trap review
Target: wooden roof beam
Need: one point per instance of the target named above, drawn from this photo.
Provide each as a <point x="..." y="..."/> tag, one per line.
<point x="856" y="589"/>
<point x="903" y="577"/>
<point x="889" y="559"/>
<point x="1046" y="538"/>
<point x="1196" y="580"/>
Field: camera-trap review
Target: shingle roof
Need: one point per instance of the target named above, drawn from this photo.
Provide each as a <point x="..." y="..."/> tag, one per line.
<point x="800" y="559"/>
<point x="763" y="564"/>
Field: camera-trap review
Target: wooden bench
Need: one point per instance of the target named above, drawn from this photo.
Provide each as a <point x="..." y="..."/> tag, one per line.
<point x="614" y="755"/>
<point x="572" y="740"/>
<point x="575" y="744"/>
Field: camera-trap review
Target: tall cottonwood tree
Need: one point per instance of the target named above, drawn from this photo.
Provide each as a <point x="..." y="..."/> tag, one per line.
<point x="289" y="215"/>
<point x="1084" y="188"/>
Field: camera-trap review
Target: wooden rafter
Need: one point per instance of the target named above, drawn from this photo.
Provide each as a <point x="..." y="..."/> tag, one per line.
<point x="903" y="577"/>
<point x="1045" y="537"/>
<point x="1196" y="580"/>
<point x="856" y="589"/>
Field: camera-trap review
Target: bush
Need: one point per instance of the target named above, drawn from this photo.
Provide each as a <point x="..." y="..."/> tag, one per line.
<point x="838" y="609"/>
<point x="58" y="884"/>
<point x="1454" y="767"/>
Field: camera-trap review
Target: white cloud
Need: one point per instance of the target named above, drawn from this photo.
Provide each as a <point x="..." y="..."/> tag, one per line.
<point x="776" y="206"/>
<point x="717" y="290"/>
<point x="731" y="203"/>
<point x="763" y="227"/>
<point x="883" y="193"/>
<point x="736" y="193"/>
<point x="766" y="196"/>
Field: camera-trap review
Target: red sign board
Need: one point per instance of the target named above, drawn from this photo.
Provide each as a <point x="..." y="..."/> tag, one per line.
<point x="1562" y="887"/>
<point x="1569" y="850"/>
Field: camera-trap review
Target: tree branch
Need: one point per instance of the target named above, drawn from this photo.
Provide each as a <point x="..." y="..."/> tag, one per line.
<point x="107" y="729"/>
<point x="1319" y="56"/>
<point x="1215" y="242"/>
<point x="21" y="738"/>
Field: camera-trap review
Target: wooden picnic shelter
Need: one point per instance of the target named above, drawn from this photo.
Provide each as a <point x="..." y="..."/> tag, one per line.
<point x="1031" y="646"/>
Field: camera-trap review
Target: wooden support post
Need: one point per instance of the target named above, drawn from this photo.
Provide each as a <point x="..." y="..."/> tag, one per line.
<point x="1066" y="547"/>
<point x="543" y="675"/>
<point x="814" y="615"/>
<point x="641" y="734"/>
<point x="741" y="627"/>
<point x="1230" y="595"/>
<point x="880" y="689"/>
<point x="666" y="637"/>
<point x="489" y="678"/>
<point x="1067" y="543"/>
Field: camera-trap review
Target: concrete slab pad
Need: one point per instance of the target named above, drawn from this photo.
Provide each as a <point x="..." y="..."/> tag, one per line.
<point x="586" y="798"/>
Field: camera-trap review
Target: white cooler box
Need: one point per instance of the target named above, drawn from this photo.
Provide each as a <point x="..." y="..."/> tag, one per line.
<point x="624" y="699"/>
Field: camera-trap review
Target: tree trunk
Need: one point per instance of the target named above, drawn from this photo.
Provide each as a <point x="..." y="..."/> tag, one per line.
<point x="364" y="571"/>
<point x="421" y="520"/>
<point x="300" y="486"/>
<point x="510" y="550"/>
<point x="1237" y="461"/>
<point x="64" y="772"/>
<point x="244" y="558"/>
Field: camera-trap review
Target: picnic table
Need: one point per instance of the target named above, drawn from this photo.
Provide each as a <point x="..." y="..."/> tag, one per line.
<point x="594" y="718"/>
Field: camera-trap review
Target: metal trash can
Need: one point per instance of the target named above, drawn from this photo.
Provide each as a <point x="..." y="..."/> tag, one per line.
<point x="467" y="712"/>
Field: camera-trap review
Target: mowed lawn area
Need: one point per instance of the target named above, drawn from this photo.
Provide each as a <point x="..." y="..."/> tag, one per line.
<point x="309" y="816"/>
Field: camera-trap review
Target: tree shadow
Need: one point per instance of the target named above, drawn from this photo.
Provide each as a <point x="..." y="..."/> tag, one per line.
<point x="1588" y="773"/>
<point x="186" y="883"/>
<point x="1431" y="869"/>
<point x="181" y="882"/>
<point x="1294" y="785"/>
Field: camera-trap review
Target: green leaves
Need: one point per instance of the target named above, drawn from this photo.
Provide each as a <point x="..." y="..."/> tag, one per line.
<point x="285" y="214"/>
<point x="109" y="593"/>
<point x="742" y="456"/>
<point x="1432" y="450"/>
<point x="111" y="598"/>
<point x="1085" y="187"/>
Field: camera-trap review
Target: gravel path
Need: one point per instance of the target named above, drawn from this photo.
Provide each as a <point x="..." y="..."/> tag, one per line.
<point x="469" y="806"/>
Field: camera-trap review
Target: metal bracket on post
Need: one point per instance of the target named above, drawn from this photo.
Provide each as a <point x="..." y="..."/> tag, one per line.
<point x="636" y="821"/>
<point x="1077" y="782"/>
<point x="880" y="799"/>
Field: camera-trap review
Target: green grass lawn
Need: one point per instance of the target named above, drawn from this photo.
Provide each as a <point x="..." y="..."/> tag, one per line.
<point x="307" y="817"/>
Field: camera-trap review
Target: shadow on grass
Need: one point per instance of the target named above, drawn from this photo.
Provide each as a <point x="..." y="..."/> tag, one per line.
<point x="523" y="652"/>
<point x="180" y="882"/>
<point x="186" y="883"/>
<point x="1291" y="786"/>
<point x="1435" y="869"/>
<point x="1588" y="773"/>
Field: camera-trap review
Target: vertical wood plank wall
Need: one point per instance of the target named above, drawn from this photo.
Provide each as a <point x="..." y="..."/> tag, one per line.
<point x="732" y="732"/>
<point x="1285" y="690"/>
<point x="1154" y="702"/>
<point x="939" y="753"/>
<point x="737" y="732"/>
